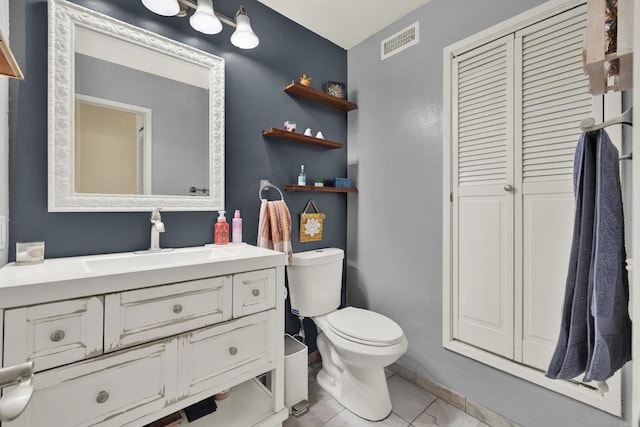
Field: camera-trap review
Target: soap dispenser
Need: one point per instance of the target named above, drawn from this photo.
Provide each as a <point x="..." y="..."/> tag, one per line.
<point x="221" y="230"/>
<point x="237" y="227"/>
<point x="302" y="178"/>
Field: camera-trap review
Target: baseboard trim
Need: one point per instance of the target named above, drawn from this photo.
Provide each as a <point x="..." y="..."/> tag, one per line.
<point x="470" y="407"/>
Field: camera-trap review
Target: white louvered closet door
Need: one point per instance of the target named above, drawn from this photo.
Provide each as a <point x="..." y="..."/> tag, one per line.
<point x="552" y="97"/>
<point x="482" y="201"/>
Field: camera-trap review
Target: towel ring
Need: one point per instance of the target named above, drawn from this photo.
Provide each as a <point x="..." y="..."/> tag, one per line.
<point x="268" y="186"/>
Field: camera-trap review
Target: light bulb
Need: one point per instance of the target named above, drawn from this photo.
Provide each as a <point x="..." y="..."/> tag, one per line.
<point x="205" y="20"/>
<point x="162" y="7"/>
<point x="244" y="37"/>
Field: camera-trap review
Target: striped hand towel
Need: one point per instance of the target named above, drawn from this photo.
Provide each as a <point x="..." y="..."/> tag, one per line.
<point x="274" y="227"/>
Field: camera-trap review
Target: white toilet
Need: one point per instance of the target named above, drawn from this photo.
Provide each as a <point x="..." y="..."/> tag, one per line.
<point x="355" y="344"/>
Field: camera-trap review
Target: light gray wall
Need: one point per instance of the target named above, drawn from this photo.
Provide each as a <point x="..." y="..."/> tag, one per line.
<point x="180" y="120"/>
<point x="395" y="224"/>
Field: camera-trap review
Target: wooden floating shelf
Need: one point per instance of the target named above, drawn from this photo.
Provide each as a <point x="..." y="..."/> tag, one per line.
<point x="316" y="95"/>
<point x="298" y="137"/>
<point x="319" y="189"/>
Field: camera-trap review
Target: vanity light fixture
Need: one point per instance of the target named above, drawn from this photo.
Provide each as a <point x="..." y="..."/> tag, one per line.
<point x="205" y="19"/>
<point x="208" y="21"/>
<point x="244" y="37"/>
<point x="162" y="7"/>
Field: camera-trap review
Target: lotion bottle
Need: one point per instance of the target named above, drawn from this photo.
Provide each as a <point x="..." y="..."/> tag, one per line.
<point x="236" y="227"/>
<point x="221" y="230"/>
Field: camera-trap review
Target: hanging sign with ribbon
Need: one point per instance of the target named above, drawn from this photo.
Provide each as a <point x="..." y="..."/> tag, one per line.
<point x="311" y="224"/>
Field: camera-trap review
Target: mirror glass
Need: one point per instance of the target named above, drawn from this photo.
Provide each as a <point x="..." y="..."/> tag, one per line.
<point x="108" y="134"/>
<point x="142" y="123"/>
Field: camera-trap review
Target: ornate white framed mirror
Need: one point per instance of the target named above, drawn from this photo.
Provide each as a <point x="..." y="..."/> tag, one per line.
<point x="136" y="120"/>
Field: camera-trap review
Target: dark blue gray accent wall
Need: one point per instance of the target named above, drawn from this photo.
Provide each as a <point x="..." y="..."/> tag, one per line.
<point x="254" y="101"/>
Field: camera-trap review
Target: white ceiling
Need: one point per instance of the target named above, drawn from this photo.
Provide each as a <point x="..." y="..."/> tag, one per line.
<point x="344" y="22"/>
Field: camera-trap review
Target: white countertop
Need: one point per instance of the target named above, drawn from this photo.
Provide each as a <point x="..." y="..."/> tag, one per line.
<point x="73" y="277"/>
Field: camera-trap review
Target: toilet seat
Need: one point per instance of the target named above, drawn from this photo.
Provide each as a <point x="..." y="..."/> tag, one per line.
<point x="364" y="327"/>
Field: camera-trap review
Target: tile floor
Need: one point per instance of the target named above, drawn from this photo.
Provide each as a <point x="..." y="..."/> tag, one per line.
<point x="412" y="407"/>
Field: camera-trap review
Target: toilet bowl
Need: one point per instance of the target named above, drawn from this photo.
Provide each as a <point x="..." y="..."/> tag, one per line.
<point x="352" y="367"/>
<point x="355" y="344"/>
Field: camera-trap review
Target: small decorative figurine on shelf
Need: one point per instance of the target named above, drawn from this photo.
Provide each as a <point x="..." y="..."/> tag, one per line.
<point x="319" y="135"/>
<point x="308" y="132"/>
<point x="290" y="126"/>
<point x="304" y="80"/>
<point x="337" y="89"/>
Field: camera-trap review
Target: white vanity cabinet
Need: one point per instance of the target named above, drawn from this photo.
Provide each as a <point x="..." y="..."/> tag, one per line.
<point x="213" y="357"/>
<point x="253" y="292"/>
<point x="107" y="391"/>
<point x="155" y="340"/>
<point x="53" y="334"/>
<point x="140" y="315"/>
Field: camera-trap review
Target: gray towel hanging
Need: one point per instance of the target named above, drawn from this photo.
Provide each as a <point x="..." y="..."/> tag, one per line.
<point x="595" y="332"/>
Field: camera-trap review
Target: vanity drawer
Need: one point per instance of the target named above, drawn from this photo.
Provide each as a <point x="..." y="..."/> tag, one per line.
<point x="53" y="334"/>
<point x="142" y="315"/>
<point x="214" y="356"/>
<point x="110" y="390"/>
<point x="253" y="292"/>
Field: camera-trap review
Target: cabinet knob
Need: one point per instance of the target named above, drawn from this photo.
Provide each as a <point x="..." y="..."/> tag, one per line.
<point x="508" y="187"/>
<point x="233" y="351"/>
<point x="57" y="336"/>
<point x="177" y="308"/>
<point x="102" y="397"/>
<point x="255" y="292"/>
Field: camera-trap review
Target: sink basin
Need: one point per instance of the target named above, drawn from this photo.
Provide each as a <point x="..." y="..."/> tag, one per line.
<point x="134" y="261"/>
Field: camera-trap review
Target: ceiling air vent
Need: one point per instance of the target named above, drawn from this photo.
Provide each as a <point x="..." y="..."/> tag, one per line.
<point x="400" y="41"/>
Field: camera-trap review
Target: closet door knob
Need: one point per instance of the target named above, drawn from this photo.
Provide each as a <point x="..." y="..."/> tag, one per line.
<point x="255" y="292"/>
<point x="233" y="351"/>
<point x="57" y="336"/>
<point x="102" y="397"/>
<point x="508" y="187"/>
<point x="177" y="309"/>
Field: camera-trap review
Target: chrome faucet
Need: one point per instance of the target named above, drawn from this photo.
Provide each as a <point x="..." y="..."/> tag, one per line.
<point x="157" y="227"/>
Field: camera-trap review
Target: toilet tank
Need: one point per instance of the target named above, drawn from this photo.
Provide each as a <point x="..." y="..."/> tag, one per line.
<point x="315" y="281"/>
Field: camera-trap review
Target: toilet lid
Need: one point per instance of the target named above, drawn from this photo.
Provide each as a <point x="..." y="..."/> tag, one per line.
<point x="364" y="326"/>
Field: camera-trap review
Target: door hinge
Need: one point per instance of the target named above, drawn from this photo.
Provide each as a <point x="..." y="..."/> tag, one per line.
<point x="451" y="197"/>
